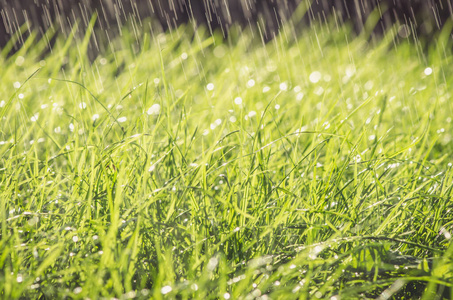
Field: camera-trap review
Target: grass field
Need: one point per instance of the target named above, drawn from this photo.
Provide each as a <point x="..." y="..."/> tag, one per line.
<point x="315" y="166"/>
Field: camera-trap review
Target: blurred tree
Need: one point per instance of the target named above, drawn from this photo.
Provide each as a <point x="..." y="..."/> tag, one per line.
<point x="421" y="16"/>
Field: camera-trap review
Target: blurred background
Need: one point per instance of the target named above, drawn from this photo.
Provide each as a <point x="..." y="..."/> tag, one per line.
<point x="410" y="17"/>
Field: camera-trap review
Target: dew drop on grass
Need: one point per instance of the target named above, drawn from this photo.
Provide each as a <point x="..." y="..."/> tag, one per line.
<point x="2" y="103"/>
<point x="122" y="119"/>
<point x="20" y="61"/>
<point x="75" y="239"/>
<point x="266" y="89"/>
<point x="77" y="290"/>
<point x="184" y="56"/>
<point x="210" y="86"/>
<point x="250" y="83"/>
<point x="300" y="96"/>
<point x="226" y="296"/>
<point x="283" y="86"/>
<point x="166" y="289"/>
<point x="21" y="96"/>
<point x="315" y="77"/>
<point x="16" y="84"/>
<point x="251" y="114"/>
<point x="154" y="109"/>
<point x="82" y="105"/>
<point x="19" y="278"/>
<point x="238" y="101"/>
<point x="95" y="117"/>
<point x="428" y="71"/>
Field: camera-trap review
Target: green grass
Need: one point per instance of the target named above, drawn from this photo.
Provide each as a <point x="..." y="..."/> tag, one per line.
<point x="142" y="175"/>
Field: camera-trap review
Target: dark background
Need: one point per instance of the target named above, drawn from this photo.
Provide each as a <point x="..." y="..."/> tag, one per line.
<point x="423" y="17"/>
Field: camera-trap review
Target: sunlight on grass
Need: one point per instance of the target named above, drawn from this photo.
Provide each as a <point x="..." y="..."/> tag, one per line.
<point x="316" y="167"/>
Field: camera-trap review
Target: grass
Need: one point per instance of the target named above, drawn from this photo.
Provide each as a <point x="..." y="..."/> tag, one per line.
<point x="195" y="168"/>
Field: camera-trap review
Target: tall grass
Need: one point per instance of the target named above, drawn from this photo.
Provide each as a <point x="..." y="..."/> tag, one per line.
<point x="315" y="166"/>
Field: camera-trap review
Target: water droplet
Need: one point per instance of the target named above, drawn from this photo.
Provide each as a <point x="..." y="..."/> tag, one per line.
<point x="315" y="77"/>
<point x="250" y="83"/>
<point x="283" y="86"/>
<point x="16" y="84"/>
<point x="251" y="114"/>
<point x="238" y="101"/>
<point x="428" y="71"/>
<point x="20" y="60"/>
<point x="184" y="56"/>
<point x="226" y="296"/>
<point x="300" y="96"/>
<point x="95" y="117"/>
<point x="210" y="86"/>
<point x="166" y="289"/>
<point x="154" y="109"/>
<point x="122" y="119"/>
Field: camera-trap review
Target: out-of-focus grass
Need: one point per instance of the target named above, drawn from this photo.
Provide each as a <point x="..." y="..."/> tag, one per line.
<point x="188" y="167"/>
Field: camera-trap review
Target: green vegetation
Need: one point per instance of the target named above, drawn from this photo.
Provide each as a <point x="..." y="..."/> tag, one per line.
<point x="189" y="167"/>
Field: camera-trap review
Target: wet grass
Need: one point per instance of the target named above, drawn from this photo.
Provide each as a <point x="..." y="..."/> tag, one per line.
<point x="316" y="167"/>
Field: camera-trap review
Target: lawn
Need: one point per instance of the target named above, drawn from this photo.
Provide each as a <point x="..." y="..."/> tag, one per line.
<point x="185" y="166"/>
